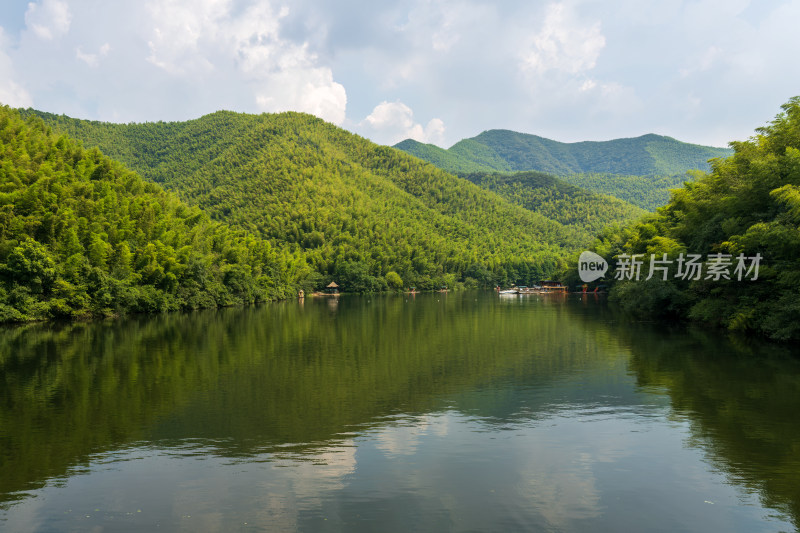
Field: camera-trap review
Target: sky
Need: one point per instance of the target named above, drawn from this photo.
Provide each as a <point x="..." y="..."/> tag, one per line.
<point x="701" y="71"/>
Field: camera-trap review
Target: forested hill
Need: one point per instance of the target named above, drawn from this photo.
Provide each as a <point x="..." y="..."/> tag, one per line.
<point x="366" y="216"/>
<point x="80" y="235"/>
<point x="509" y="151"/>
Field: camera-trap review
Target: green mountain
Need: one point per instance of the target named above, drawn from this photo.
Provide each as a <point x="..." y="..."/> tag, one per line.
<point x="509" y="151"/>
<point x="748" y="210"/>
<point x="366" y="216"/>
<point x="81" y="235"/>
<point x="549" y="196"/>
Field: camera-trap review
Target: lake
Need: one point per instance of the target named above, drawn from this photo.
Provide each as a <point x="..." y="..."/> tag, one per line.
<point x="435" y="412"/>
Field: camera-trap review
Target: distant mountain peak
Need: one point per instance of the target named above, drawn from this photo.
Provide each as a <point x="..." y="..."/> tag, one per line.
<point x="507" y="151"/>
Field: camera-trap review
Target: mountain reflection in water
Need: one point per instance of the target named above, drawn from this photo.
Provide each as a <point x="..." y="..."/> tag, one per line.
<point x="459" y="411"/>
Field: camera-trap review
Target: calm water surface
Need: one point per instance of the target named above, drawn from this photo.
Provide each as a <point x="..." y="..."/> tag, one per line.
<point x="457" y="412"/>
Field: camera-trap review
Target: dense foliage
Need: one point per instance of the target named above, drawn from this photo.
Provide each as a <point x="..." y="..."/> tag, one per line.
<point x="366" y="216"/>
<point x="748" y="206"/>
<point x="81" y="235"/>
<point x="557" y="200"/>
<point x="509" y="151"/>
<point x="647" y="192"/>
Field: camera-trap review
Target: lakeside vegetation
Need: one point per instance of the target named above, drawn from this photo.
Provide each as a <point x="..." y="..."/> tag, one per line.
<point x="80" y="235"/>
<point x="263" y="205"/>
<point x="747" y="206"/>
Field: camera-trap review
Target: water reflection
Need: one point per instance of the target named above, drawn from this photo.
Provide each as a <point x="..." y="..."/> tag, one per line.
<point x="444" y="413"/>
<point x="738" y="395"/>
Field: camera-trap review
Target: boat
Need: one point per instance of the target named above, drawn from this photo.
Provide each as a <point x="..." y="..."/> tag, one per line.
<point x="546" y="287"/>
<point x="536" y="289"/>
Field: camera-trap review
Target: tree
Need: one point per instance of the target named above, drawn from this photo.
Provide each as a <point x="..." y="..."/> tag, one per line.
<point x="394" y="281"/>
<point x="31" y="265"/>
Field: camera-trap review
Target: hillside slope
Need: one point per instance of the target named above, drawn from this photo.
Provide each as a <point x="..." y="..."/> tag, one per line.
<point x="647" y="192"/>
<point x="558" y="200"/>
<point x="358" y="213"/>
<point x="81" y="235"/>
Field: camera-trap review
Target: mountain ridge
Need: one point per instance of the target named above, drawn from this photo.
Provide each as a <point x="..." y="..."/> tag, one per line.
<point x="509" y="151"/>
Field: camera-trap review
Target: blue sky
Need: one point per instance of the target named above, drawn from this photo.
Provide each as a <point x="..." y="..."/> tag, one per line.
<point x="702" y="71"/>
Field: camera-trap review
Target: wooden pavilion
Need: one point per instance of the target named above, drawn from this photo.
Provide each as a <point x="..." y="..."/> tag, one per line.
<point x="332" y="288"/>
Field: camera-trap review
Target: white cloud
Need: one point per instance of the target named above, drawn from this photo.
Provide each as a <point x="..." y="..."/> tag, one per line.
<point x="92" y="59"/>
<point x="404" y="439"/>
<point x="311" y="90"/>
<point x="48" y="20"/>
<point x="564" y="43"/>
<point x="202" y="40"/>
<point x="392" y="122"/>
<point x="438" y="25"/>
<point x="434" y="131"/>
<point x="11" y="92"/>
<point x="565" y="69"/>
<point x="181" y="28"/>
